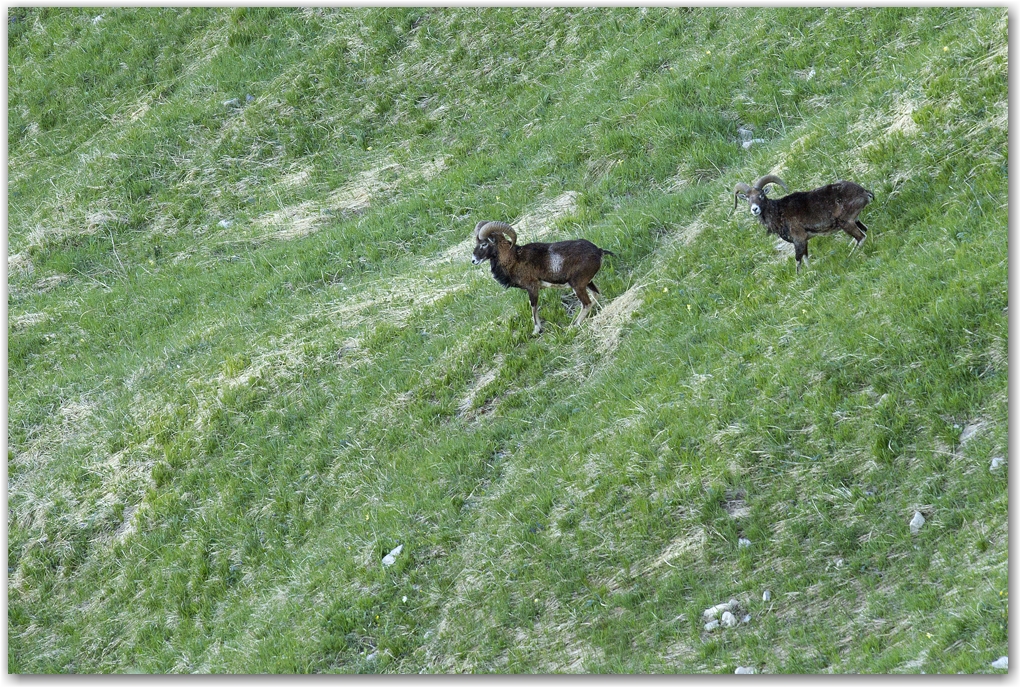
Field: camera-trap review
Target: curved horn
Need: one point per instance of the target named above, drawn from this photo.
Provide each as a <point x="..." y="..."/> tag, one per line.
<point x="479" y="226"/>
<point x="770" y="179"/>
<point x="488" y="228"/>
<point x="740" y="188"/>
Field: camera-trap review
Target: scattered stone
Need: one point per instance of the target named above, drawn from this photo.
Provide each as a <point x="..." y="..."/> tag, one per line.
<point x="766" y="595"/>
<point x="745" y="133"/>
<point x="372" y="656"/>
<point x="746" y="619"/>
<point x="711" y="625"/>
<point x="728" y="619"/>
<point x="391" y="557"/>
<point x="719" y="608"/>
<point x="233" y="102"/>
<point x="743" y="543"/>
<point x="917" y="523"/>
<point x="747" y="144"/>
<point x="1001" y="663"/>
<point x="744" y="670"/>
<point x="96" y="19"/>
<point x="225" y="223"/>
<point x="249" y="98"/>
<point x="997" y="462"/>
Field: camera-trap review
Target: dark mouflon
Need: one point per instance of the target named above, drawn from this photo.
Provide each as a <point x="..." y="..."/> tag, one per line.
<point x="799" y="216"/>
<point x="535" y="266"/>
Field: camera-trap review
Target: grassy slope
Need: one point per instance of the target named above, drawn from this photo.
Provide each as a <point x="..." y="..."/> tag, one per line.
<point x="248" y="355"/>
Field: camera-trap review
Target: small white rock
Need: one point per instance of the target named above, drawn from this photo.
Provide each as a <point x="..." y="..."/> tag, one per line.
<point x="1001" y="663"/>
<point x="728" y="619"/>
<point x="997" y="462"/>
<point x="719" y="608"/>
<point x="742" y="543"/>
<point x="225" y="223"/>
<point x="391" y="557"/>
<point x="766" y="595"/>
<point x="372" y="656"/>
<point x="744" y="670"/>
<point x="711" y="625"/>
<point x="746" y="618"/>
<point x="917" y="523"/>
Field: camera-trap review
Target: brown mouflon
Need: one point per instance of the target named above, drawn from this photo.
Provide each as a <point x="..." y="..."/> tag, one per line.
<point x="535" y="266"/>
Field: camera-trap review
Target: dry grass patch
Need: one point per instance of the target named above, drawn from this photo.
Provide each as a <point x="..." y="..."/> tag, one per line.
<point x="394" y="300"/>
<point x="295" y="178"/>
<point x="903" y="119"/>
<point x="539" y="221"/>
<point x="464" y="406"/>
<point x="291" y="222"/>
<point x="606" y="327"/>
<point x="27" y="320"/>
<point x="357" y="195"/>
<point x="19" y="263"/>
<point x="302" y="219"/>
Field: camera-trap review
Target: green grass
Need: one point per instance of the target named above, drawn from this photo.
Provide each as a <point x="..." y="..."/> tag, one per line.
<point x="248" y="354"/>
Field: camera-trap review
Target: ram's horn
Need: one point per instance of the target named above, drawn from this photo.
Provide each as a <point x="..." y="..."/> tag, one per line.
<point x="770" y="179"/>
<point x="487" y="228"/>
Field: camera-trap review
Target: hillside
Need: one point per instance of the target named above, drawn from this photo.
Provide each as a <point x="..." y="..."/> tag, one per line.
<point x="248" y="355"/>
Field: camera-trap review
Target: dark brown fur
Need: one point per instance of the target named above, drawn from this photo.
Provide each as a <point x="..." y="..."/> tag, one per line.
<point x="802" y="215"/>
<point x="537" y="265"/>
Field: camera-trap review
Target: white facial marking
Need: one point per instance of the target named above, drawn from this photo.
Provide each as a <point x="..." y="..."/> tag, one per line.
<point x="555" y="262"/>
<point x="755" y="210"/>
